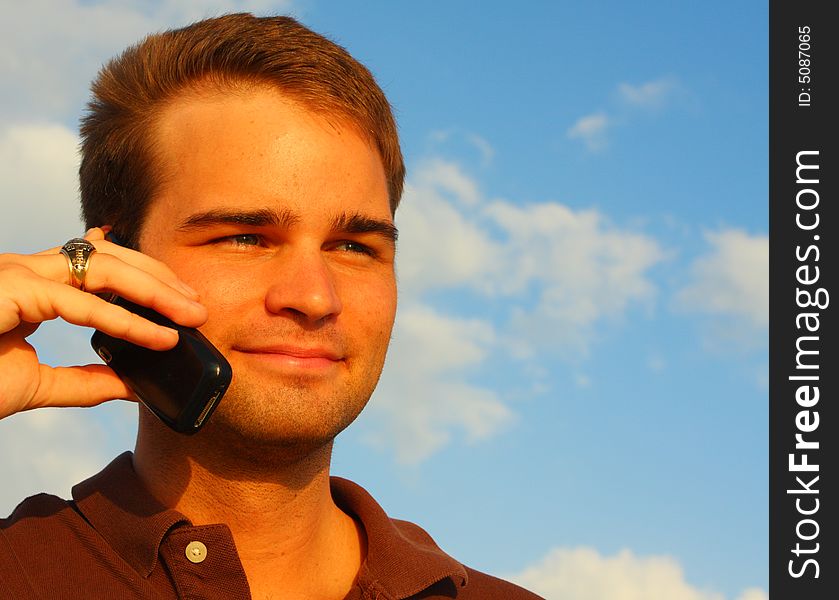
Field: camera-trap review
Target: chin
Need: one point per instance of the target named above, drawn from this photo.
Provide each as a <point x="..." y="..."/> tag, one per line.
<point x="295" y="418"/>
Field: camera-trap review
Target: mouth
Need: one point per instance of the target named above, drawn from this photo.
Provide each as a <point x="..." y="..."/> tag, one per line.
<point x="293" y="358"/>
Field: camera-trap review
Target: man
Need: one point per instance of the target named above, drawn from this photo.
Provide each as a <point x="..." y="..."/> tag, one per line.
<point x="252" y="169"/>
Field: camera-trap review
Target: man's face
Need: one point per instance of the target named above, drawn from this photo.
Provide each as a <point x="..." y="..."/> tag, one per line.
<point x="280" y="220"/>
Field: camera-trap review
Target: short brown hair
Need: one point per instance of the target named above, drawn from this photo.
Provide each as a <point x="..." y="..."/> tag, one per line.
<point x="117" y="168"/>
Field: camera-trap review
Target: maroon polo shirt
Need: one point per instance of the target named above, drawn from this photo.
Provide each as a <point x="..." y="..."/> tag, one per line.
<point x="115" y="541"/>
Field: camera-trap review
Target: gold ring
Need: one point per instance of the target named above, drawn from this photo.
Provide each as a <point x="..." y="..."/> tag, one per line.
<point x="78" y="252"/>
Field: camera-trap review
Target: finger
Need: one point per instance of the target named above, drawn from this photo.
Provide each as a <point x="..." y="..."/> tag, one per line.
<point x="95" y="234"/>
<point x="87" y="385"/>
<point x="50" y="300"/>
<point x="91" y="235"/>
<point x="148" y="264"/>
<point x="108" y="273"/>
<point x="55" y="269"/>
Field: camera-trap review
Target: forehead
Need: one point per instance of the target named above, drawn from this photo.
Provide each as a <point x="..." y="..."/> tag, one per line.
<point x="258" y="148"/>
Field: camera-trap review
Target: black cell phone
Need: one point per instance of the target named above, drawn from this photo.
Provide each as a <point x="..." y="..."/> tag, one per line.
<point x="182" y="386"/>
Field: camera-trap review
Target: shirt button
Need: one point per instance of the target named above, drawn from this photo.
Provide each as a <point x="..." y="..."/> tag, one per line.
<point x="196" y="552"/>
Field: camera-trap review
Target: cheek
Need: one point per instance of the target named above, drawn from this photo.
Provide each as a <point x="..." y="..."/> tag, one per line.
<point x="370" y="309"/>
<point x="229" y="301"/>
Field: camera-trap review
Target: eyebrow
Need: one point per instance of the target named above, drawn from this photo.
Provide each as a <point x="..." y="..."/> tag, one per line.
<point x="255" y="218"/>
<point x="358" y="223"/>
<point x="286" y="219"/>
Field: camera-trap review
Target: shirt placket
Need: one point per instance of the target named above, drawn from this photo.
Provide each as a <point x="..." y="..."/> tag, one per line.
<point x="204" y="563"/>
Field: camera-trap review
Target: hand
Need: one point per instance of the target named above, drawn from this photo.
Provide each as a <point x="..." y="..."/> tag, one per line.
<point x="35" y="288"/>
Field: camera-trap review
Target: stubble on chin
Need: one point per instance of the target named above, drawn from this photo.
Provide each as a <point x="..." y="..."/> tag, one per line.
<point x="292" y="419"/>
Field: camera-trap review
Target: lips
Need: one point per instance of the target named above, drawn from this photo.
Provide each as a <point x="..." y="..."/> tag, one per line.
<point x="303" y="356"/>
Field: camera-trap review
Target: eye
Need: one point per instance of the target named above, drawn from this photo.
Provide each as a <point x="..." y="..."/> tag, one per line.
<point x="355" y="248"/>
<point x="241" y="240"/>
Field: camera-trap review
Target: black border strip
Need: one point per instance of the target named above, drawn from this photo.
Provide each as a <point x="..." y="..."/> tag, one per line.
<point x="803" y="368"/>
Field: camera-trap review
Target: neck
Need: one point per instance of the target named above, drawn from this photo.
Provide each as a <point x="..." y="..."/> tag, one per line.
<point x="276" y="501"/>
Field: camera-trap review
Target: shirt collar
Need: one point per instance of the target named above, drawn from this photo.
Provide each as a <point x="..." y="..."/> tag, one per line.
<point x="125" y="514"/>
<point x="401" y="557"/>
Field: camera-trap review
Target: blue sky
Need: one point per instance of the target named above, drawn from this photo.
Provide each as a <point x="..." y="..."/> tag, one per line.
<point x="576" y="395"/>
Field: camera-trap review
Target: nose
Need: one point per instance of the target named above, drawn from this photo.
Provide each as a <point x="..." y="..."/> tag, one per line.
<point x="303" y="286"/>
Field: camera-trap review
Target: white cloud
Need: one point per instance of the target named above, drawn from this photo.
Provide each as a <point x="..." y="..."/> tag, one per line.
<point x="584" y="574"/>
<point x="484" y="148"/>
<point x="449" y="178"/>
<point x="656" y="363"/>
<point x="423" y="396"/>
<point x="753" y="594"/>
<point x="591" y="129"/>
<point x="579" y="269"/>
<point x="47" y="450"/>
<point x="649" y="95"/>
<point x="465" y="141"/>
<point x="51" y="49"/>
<point x="551" y="273"/>
<point x="440" y="245"/>
<point x="38" y="171"/>
<point x="730" y="283"/>
<point x="574" y="264"/>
